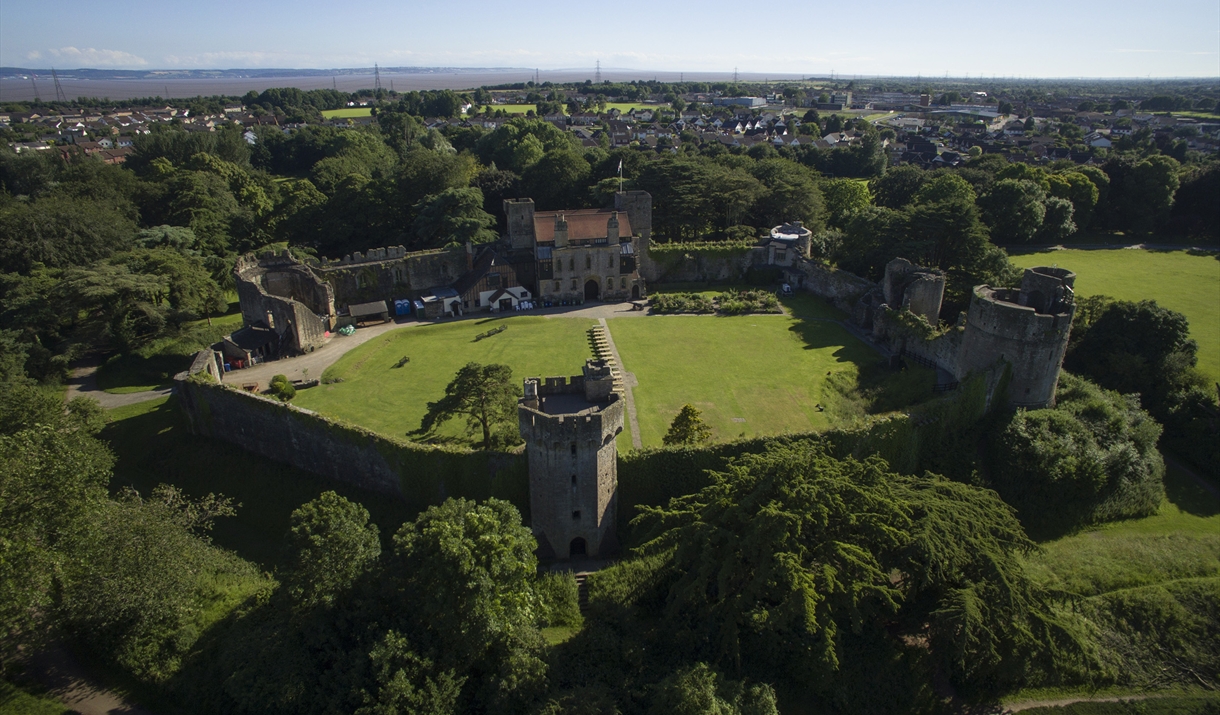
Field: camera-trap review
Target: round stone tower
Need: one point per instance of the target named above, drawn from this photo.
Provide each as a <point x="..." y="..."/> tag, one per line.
<point x="1026" y="327"/>
<point x="569" y="426"/>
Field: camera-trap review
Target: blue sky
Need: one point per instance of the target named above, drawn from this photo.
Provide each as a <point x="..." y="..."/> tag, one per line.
<point x="1043" y="38"/>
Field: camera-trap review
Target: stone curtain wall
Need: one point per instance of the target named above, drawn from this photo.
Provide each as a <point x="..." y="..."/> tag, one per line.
<point x="839" y="287"/>
<point x="421" y="475"/>
<point x="679" y="263"/>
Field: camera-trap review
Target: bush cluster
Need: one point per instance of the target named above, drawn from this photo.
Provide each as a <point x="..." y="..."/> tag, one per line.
<point x="739" y="302"/>
<point x="681" y="303"/>
<point x="281" y="389"/>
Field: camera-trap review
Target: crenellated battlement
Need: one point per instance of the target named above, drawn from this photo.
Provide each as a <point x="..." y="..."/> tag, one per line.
<point x="569" y="426"/>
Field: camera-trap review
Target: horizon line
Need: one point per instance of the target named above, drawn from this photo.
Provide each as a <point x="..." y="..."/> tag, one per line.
<point x="756" y="75"/>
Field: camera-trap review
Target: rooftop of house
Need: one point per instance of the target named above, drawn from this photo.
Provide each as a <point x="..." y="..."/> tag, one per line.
<point x="582" y="224"/>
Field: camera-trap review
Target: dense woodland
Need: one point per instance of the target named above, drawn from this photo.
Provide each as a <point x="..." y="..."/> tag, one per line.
<point x="787" y="582"/>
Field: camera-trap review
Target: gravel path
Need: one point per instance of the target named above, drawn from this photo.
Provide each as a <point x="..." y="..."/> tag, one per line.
<point x="317" y="361"/>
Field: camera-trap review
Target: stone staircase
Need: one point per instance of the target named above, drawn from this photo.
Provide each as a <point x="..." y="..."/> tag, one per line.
<point x="600" y="345"/>
<point x="582" y="590"/>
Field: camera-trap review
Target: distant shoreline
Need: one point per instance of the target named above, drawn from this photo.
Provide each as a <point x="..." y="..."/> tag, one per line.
<point x="15" y="84"/>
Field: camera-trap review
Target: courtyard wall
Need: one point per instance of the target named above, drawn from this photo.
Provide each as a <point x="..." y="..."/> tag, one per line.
<point x="421" y="475"/>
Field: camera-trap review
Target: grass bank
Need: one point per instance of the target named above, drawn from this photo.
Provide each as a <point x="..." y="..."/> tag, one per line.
<point x="151" y="442"/>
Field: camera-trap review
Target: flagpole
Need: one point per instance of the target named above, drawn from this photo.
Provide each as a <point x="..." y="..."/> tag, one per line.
<point x="620" y="176"/>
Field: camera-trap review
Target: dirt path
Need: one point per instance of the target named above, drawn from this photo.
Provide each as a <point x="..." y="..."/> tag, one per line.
<point x="68" y="682"/>
<point x="1031" y="704"/>
<point x="83" y="383"/>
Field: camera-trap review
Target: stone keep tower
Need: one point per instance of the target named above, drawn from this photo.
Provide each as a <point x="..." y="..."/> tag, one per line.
<point x="1027" y="327"/>
<point x="569" y="426"/>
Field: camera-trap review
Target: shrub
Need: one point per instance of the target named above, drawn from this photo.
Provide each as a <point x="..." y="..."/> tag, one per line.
<point x="281" y="389"/>
<point x="1092" y="458"/>
<point x="558" y="600"/>
<point x="681" y="303"/>
<point x="738" y="302"/>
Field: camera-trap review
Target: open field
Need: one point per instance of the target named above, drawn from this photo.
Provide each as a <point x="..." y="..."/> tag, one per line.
<point x="347" y="112"/>
<point x="392" y="400"/>
<point x="1177" y="280"/>
<point x="1181" y="541"/>
<point x="621" y="106"/>
<point x="1135" y="565"/>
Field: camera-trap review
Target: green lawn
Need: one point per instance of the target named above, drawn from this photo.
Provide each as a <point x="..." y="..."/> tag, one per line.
<point x="152" y="447"/>
<point x="347" y="112"/>
<point x="1177" y="280"/>
<point x="750" y="374"/>
<point x="392" y="400"/>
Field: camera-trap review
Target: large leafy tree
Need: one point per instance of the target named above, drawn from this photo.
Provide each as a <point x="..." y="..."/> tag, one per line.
<point x="788" y="558"/>
<point x="464" y="574"/>
<point x="330" y="543"/>
<point x="453" y="216"/>
<point x="1014" y="209"/>
<point x="484" y="394"/>
<point x="59" y="231"/>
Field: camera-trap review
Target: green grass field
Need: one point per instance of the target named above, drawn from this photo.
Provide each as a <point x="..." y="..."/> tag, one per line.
<point x="347" y="112"/>
<point x="1132" y="560"/>
<point x="623" y="107"/>
<point x="1177" y="280"/>
<point x="392" y="401"/>
<point x="16" y="701"/>
<point x="750" y="374"/>
<point x="1181" y="541"/>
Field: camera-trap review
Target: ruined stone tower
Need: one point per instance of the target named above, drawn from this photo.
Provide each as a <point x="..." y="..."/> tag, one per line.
<point x="1027" y="327"/>
<point x="569" y="426"/>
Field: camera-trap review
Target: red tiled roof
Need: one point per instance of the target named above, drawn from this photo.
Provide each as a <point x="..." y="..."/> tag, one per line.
<point x="586" y="223"/>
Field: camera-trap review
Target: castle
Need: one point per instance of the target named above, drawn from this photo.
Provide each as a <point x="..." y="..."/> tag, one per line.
<point x="1026" y="327"/>
<point x="569" y="427"/>
<point x="548" y="258"/>
<point x="565" y="257"/>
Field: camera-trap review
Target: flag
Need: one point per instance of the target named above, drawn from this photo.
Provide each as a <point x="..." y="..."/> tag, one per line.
<point x="620" y="167"/>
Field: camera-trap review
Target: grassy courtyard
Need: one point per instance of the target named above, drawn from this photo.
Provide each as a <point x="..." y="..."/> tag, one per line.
<point x="375" y="394"/>
<point x="1189" y="284"/>
<point x="752" y="374"/>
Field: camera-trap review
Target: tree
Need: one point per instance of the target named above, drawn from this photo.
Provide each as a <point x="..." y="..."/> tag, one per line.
<point x="484" y="394"/>
<point x="789" y="561"/>
<point x="1014" y="209"/>
<point x="1091" y="458"/>
<point x="1136" y="348"/>
<point x="898" y="186"/>
<point x="688" y="428"/>
<point x="330" y="543"/>
<point x="59" y="232"/>
<point x="462" y="573"/>
<point x="453" y="216"/>
<point x="844" y="199"/>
